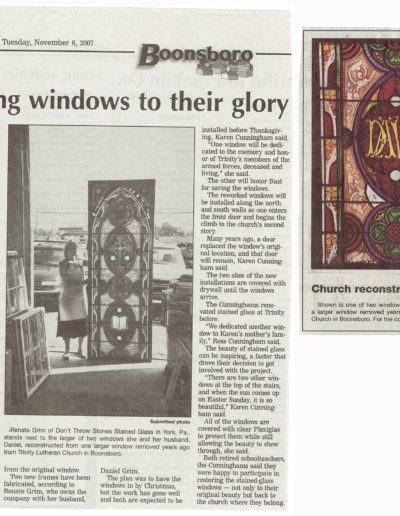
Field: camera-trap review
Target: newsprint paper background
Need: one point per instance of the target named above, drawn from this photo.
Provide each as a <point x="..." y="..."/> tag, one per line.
<point x="145" y="201"/>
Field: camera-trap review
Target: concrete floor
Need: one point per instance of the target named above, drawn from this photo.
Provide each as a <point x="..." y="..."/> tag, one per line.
<point x="137" y="391"/>
<point x="56" y="347"/>
<point x="83" y="387"/>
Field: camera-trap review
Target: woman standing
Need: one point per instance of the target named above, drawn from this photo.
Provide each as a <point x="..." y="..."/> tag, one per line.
<point x="72" y="314"/>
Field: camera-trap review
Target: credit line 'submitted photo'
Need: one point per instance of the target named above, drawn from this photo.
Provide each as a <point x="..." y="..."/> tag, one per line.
<point x="99" y="271"/>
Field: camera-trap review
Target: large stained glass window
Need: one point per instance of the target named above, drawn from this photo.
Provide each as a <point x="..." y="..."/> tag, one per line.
<point x="356" y="154"/>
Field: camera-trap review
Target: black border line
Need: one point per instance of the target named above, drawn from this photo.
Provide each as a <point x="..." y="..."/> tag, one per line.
<point x="71" y="51"/>
<point x="273" y="54"/>
<point x="119" y="51"/>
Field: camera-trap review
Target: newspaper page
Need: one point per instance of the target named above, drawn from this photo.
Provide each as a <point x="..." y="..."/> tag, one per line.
<point x="146" y="180"/>
<point x="351" y="174"/>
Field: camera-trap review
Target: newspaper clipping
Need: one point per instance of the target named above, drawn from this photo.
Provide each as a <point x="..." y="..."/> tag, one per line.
<point x="351" y="167"/>
<point x="146" y="257"/>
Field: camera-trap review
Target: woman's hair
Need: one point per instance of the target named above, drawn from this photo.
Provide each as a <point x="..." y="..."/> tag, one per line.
<point x="70" y="245"/>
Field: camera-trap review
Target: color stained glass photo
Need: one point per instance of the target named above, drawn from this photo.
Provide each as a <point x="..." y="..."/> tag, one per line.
<point x="356" y="154"/>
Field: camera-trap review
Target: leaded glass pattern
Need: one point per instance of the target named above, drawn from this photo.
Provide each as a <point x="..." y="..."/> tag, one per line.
<point x="120" y="269"/>
<point x="356" y="154"/>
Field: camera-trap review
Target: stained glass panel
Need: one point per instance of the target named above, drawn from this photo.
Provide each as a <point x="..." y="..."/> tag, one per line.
<point x="120" y="269"/>
<point x="356" y="154"/>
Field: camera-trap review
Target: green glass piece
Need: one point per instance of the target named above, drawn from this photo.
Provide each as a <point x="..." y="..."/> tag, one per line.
<point x="392" y="250"/>
<point x="377" y="46"/>
<point x="377" y="233"/>
<point x="392" y="58"/>
<point x="392" y="215"/>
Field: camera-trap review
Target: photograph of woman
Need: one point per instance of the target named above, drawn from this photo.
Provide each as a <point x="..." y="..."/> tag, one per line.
<point x="108" y="271"/>
<point x="73" y="312"/>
